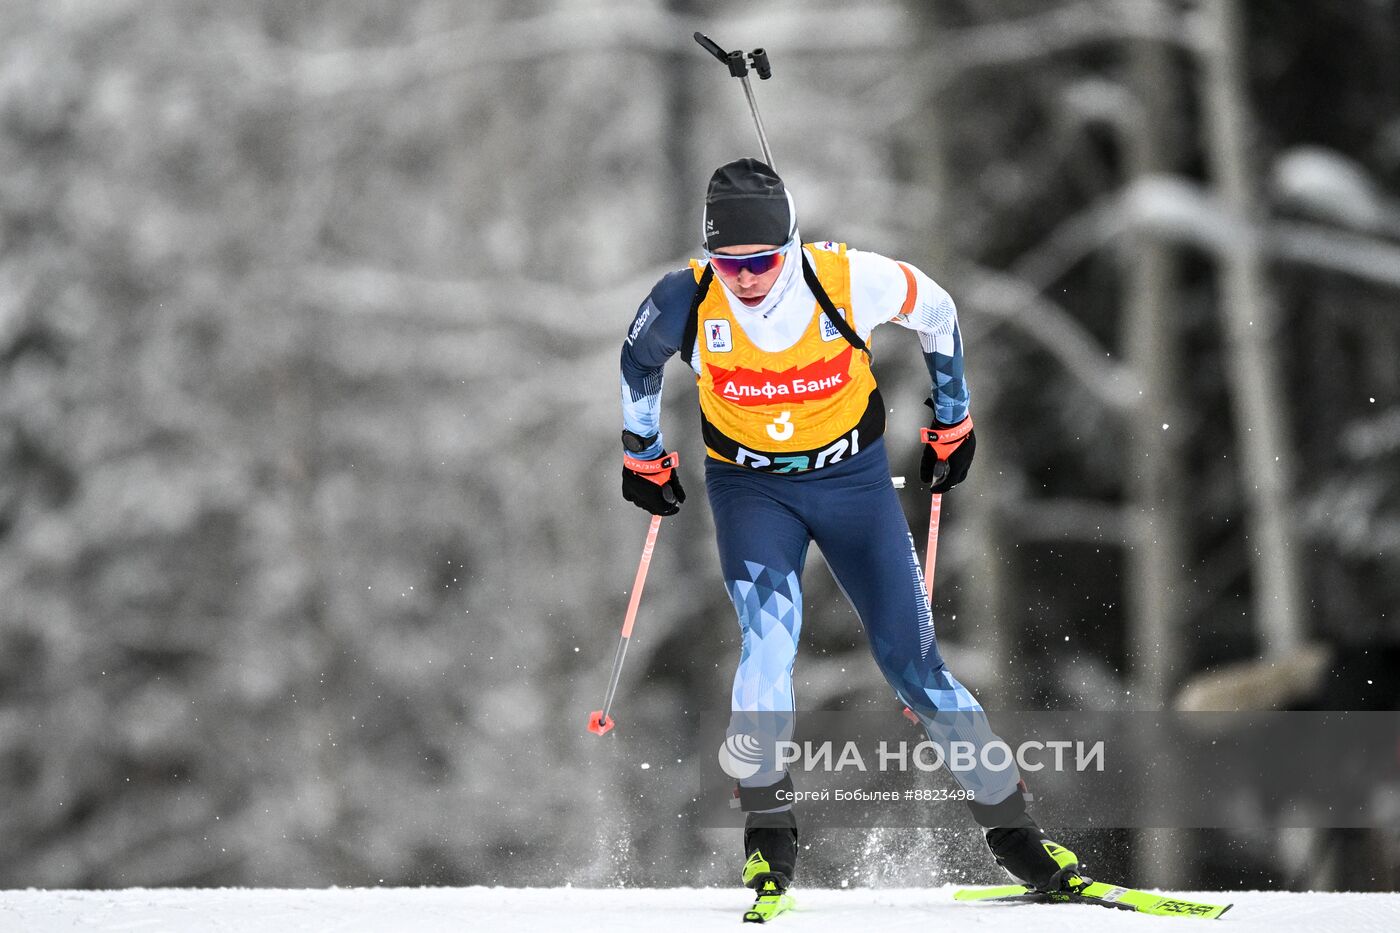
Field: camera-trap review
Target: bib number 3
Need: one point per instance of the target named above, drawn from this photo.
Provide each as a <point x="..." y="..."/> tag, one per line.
<point x="782" y="427"/>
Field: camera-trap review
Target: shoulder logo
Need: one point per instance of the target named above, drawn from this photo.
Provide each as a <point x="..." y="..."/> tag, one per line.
<point x="831" y="246"/>
<point x="717" y="336"/>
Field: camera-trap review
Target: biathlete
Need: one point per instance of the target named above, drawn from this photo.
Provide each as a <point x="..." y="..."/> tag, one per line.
<point x="777" y="333"/>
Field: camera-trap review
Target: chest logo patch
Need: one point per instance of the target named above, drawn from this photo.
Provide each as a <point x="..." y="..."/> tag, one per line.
<point x="818" y="380"/>
<point x="717" y="336"/>
<point x="829" y="331"/>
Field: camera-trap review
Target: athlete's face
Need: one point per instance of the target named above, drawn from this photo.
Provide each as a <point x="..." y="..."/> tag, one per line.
<point x="747" y="287"/>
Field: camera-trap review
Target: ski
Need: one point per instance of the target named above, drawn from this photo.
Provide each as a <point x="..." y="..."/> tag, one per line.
<point x="1005" y="892"/>
<point x="1084" y="891"/>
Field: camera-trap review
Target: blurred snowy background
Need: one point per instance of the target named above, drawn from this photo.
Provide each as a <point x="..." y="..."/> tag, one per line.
<point x="312" y="557"/>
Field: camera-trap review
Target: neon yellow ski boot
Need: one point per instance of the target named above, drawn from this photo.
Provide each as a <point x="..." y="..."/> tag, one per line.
<point x="1032" y="858"/>
<point x="771" y="887"/>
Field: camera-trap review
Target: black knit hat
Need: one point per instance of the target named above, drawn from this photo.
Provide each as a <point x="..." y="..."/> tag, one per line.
<point x="746" y="203"/>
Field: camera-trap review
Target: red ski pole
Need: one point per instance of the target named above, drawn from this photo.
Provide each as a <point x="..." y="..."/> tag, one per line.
<point x="935" y="510"/>
<point x="599" y="721"/>
<point x="931" y="556"/>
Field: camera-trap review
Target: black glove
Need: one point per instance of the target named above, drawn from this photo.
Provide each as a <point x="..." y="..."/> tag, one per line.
<point x="654" y="485"/>
<point x="948" y="450"/>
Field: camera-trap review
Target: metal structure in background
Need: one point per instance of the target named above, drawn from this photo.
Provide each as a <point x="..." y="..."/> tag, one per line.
<point x="738" y="64"/>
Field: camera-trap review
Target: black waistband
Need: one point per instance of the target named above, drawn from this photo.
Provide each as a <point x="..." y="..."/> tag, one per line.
<point x="869" y="429"/>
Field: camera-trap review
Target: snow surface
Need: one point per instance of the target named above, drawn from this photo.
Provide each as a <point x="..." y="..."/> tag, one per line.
<point x="679" y="910"/>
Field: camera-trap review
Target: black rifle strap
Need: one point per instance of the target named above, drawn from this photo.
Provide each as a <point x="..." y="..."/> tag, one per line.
<point x="692" y="321"/>
<point x="837" y="321"/>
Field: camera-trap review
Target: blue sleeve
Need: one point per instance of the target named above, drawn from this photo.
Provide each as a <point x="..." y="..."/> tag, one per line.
<point x="656" y="334"/>
<point x="950" y="394"/>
